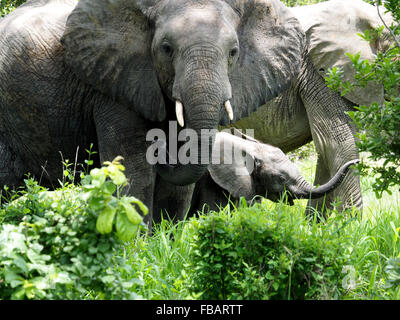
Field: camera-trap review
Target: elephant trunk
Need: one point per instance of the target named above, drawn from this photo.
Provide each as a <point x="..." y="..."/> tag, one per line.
<point x="304" y="190"/>
<point x="201" y="90"/>
<point x="184" y="174"/>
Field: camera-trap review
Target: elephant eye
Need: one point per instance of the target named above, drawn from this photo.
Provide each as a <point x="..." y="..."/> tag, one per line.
<point x="167" y="49"/>
<point x="234" y="52"/>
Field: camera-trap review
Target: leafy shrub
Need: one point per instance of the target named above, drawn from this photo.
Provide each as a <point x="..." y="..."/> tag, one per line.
<point x="393" y="272"/>
<point x="50" y="244"/>
<point x="292" y="3"/>
<point x="6" y="6"/>
<point x="257" y="253"/>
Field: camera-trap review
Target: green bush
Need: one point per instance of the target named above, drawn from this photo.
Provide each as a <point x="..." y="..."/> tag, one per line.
<point x="257" y="253"/>
<point x="393" y="273"/>
<point x="292" y="3"/>
<point x="60" y="244"/>
<point x="6" y="6"/>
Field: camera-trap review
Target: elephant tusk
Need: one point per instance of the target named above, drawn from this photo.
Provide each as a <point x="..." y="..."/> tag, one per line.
<point x="229" y="110"/>
<point x="179" y="113"/>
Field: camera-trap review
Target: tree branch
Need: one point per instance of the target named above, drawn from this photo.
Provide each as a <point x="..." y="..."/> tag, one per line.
<point x="384" y="23"/>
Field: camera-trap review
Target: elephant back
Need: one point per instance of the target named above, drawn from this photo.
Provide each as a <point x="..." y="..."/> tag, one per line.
<point x="332" y="30"/>
<point x="32" y="25"/>
<point x="31" y="67"/>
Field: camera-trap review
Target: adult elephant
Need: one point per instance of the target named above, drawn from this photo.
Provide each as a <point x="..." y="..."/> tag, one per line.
<point x="108" y="71"/>
<point x="309" y="111"/>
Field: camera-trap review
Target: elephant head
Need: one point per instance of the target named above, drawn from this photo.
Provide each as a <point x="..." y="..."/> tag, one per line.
<point x="271" y="175"/>
<point x="210" y="60"/>
<point x="332" y="29"/>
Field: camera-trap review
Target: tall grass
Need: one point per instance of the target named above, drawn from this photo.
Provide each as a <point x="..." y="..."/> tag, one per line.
<point x="374" y="237"/>
<point x="161" y="261"/>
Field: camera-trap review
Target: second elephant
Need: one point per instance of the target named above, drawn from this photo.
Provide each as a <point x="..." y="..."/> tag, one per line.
<point x="311" y="111"/>
<point x="264" y="171"/>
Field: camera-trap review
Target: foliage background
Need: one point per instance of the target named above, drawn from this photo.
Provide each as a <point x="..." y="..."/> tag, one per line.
<point x="6" y="6"/>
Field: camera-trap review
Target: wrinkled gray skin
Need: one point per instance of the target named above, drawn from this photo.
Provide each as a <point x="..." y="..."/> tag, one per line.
<point x="309" y="111"/>
<point x="332" y="29"/>
<point x="299" y="116"/>
<point x="266" y="172"/>
<point x="108" y="71"/>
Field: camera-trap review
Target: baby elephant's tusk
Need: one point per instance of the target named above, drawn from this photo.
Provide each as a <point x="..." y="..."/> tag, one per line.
<point x="179" y="113"/>
<point x="229" y="110"/>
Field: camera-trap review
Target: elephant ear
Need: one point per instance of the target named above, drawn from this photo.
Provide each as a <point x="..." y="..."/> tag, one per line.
<point x="232" y="172"/>
<point x="332" y="30"/>
<point x="234" y="178"/>
<point x="107" y="44"/>
<point x="272" y="44"/>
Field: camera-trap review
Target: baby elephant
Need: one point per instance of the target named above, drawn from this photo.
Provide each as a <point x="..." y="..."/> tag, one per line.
<point x="257" y="169"/>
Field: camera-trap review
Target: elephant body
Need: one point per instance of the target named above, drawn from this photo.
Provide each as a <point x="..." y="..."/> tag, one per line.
<point x="250" y="169"/>
<point x="49" y="114"/>
<point x="109" y="71"/>
<point x="306" y="112"/>
<point x="332" y="29"/>
<point x="43" y="104"/>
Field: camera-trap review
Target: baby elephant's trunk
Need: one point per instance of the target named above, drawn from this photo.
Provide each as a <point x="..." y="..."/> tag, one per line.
<point x="304" y="190"/>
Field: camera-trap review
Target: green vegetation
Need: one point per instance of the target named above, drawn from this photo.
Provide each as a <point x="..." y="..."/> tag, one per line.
<point x="51" y="244"/>
<point x="272" y="251"/>
<point x="50" y="248"/>
<point x="6" y="6"/>
<point x="262" y="252"/>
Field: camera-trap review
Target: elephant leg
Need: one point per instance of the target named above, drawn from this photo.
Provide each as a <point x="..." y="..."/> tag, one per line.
<point x="122" y="132"/>
<point x="333" y="134"/>
<point x="11" y="166"/>
<point x="171" y="201"/>
<point x="208" y="196"/>
<point x="318" y="206"/>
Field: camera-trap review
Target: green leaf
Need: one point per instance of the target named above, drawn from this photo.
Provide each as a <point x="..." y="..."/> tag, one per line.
<point x="131" y="212"/>
<point x="126" y="230"/>
<point x="13" y="278"/>
<point x="18" y="295"/>
<point x="141" y="205"/>
<point x="116" y="175"/>
<point x="21" y="263"/>
<point x="15" y="283"/>
<point x="105" y="220"/>
<point x="109" y="187"/>
<point x="98" y="175"/>
<point x="372" y="280"/>
<point x="96" y="203"/>
<point x="108" y="279"/>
